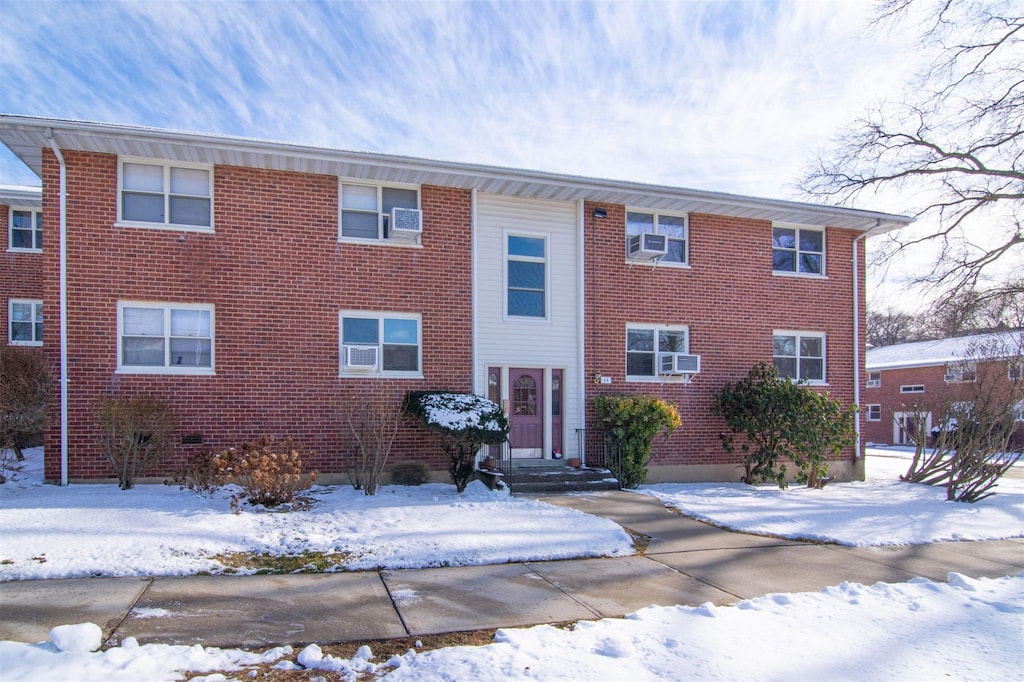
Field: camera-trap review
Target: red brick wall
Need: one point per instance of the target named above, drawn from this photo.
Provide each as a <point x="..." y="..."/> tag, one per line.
<point x="278" y="277"/>
<point x="732" y="304"/>
<point x="21" y="273"/>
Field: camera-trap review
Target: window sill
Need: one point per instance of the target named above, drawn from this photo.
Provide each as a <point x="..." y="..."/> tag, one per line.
<point x="14" y="249"/>
<point x="666" y="379"/>
<point x="658" y="264"/>
<point x="36" y="344"/>
<point x="797" y="275"/>
<point x="167" y="227"/>
<point x="417" y="376"/>
<point x="168" y="371"/>
<point x="395" y="243"/>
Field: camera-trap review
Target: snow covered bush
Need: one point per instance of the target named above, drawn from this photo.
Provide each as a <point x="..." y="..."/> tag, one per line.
<point x="634" y="421"/>
<point x="137" y="432"/>
<point x="269" y="473"/>
<point x="465" y="424"/>
<point x="781" y="419"/>
<point x="24" y="393"/>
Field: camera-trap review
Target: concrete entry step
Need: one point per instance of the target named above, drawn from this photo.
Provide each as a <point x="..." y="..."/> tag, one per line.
<point x="554" y="477"/>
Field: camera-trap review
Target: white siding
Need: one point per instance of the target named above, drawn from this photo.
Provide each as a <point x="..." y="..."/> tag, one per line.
<point x="519" y="342"/>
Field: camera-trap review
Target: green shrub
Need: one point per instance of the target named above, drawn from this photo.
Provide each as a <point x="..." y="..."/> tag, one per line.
<point x="465" y="424"/>
<point x="269" y="473"/>
<point x="409" y="473"/>
<point x="137" y="433"/>
<point x="633" y="422"/>
<point x="781" y="419"/>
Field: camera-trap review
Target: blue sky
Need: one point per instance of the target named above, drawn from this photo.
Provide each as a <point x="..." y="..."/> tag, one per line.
<point x="733" y="96"/>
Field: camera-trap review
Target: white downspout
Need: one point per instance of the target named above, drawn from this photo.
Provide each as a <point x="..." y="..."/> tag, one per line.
<point x="581" y="367"/>
<point x="856" y="336"/>
<point x="63" y="257"/>
<point x="478" y="389"/>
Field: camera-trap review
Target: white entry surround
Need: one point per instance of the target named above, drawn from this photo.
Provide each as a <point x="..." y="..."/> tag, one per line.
<point x="548" y="341"/>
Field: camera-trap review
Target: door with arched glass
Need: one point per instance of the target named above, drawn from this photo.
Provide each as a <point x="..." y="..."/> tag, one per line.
<point x="526" y="412"/>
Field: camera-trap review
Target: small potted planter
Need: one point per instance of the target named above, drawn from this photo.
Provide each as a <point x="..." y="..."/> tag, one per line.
<point x="488" y="463"/>
<point x="574" y="462"/>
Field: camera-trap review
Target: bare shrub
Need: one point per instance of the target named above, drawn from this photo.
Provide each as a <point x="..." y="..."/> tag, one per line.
<point x="24" y="394"/>
<point x="200" y="474"/>
<point x="374" y="425"/>
<point x="269" y="473"/>
<point x="138" y="432"/>
<point x="409" y="473"/>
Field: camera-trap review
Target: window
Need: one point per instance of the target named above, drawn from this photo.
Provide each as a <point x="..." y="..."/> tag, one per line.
<point x="526" y="276"/>
<point x="159" y="338"/>
<point x="912" y="388"/>
<point x="957" y="372"/>
<point x="25" y="322"/>
<point x="874" y="379"/>
<point x="874" y="413"/>
<point x="798" y="250"/>
<point x="644" y="343"/>
<point x="376" y="343"/>
<point x="165" y="194"/>
<point x="26" y="230"/>
<point x="674" y="227"/>
<point x="800" y="356"/>
<point x="366" y="209"/>
<point x="1015" y="370"/>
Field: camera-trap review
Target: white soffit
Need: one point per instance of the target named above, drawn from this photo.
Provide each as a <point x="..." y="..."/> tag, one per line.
<point x="26" y="136"/>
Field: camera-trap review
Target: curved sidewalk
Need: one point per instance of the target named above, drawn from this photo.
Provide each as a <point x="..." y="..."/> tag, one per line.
<point x="685" y="562"/>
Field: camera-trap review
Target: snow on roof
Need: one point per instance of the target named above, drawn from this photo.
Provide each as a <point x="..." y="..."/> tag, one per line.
<point x="940" y="351"/>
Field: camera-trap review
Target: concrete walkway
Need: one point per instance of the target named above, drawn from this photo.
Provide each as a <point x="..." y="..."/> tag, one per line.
<point x="686" y="562"/>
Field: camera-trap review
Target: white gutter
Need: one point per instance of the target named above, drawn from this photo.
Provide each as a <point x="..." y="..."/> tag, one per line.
<point x="473" y="317"/>
<point x="63" y="257"/>
<point x="856" y="336"/>
<point x="581" y="367"/>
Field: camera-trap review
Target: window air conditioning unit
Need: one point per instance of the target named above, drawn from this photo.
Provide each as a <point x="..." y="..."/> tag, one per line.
<point x="951" y="378"/>
<point x="647" y="245"/>
<point x="678" y="363"/>
<point x="873" y="383"/>
<point x="405" y="224"/>
<point x="360" y="357"/>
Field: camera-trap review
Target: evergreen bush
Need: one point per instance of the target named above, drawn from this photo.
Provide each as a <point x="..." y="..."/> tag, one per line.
<point x="633" y="422"/>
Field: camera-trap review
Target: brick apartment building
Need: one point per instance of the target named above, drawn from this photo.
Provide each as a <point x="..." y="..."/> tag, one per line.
<point x="266" y="288"/>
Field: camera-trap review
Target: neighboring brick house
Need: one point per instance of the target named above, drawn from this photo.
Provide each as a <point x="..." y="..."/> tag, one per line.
<point x="268" y="287"/>
<point x="926" y="377"/>
<point x="21" y="277"/>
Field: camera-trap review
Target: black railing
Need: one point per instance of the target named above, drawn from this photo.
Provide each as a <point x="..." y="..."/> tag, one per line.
<point x="600" y="450"/>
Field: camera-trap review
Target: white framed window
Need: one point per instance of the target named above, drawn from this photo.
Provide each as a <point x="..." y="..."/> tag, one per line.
<point x="1015" y="370"/>
<point x="798" y="250"/>
<point x="874" y="413"/>
<point x="380" y="343"/>
<point x="365" y="209"/>
<point x="675" y="227"/>
<point x="165" y="338"/>
<point x="526" y="276"/>
<point x="912" y="388"/>
<point x="874" y="379"/>
<point x="799" y="355"/>
<point x="165" y="194"/>
<point x="961" y="372"/>
<point x="24" y="322"/>
<point x="644" y="343"/>
<point x="25" y="230"/>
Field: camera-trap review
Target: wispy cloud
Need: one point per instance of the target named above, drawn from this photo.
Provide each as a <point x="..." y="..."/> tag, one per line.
<point x="731" y="96"/>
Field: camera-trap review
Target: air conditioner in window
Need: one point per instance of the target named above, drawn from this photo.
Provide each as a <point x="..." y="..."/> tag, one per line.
<point x="678" y="363"/>
<point x="361" y="357"/>
<point x="647" y="245"/>
<point x="873" y="383"/>
<point x="405" y="224"/>
<point x="951" y="378"/>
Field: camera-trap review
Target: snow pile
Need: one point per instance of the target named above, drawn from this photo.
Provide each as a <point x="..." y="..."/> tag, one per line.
<point x="880" y="511"/>
<point x="965" y="629"/>
<point x="154" y="530"/>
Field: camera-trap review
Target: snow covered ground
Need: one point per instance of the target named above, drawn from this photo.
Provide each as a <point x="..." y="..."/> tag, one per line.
<point x="963" y="629"/>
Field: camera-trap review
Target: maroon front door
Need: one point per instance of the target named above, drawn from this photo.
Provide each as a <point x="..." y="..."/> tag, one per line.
<point x="526" y="412"/>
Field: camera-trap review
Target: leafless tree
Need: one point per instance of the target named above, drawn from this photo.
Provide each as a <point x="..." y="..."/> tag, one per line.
<point x="373" y="420"/>
<point x="953" y="147"/>
<point x="889" y="327"/>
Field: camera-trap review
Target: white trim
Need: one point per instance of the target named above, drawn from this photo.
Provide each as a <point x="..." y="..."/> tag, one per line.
<point x="796" y="273"/>
<point x="867" y="412"/>
<point x="36" y="304"/>
<point x="581" y="321"/>
<point x="10" y="229"/>
<point x="912" y="388"/>
<point x="656" y="328"/>
<point x="380" y="239"/>
<point x="167" y="367"/>
<point x="380" y="372"/>
<point x="546" y="261"/>
<point x="167" y="165"/>
<point x="799" y="334"/>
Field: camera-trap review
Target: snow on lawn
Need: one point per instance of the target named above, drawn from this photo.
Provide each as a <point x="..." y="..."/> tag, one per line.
<point x="965" y="629"/>
<point x="879" y="511"/>
<point x="48" y="531"/>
